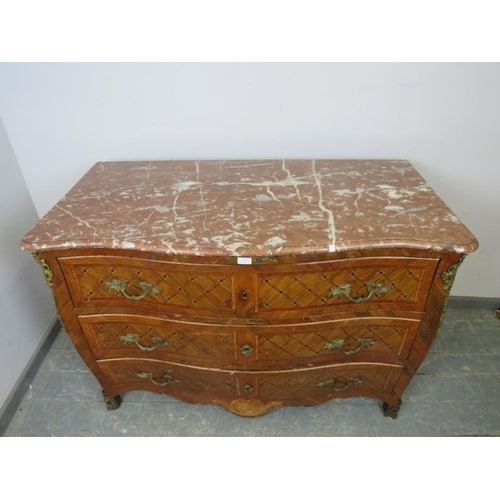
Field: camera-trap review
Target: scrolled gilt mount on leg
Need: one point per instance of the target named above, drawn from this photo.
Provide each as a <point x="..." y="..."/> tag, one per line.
<point x="450" y="274"/>
<point x="47" y="272"/>
<point x="448" y="277"/>
<point x="392" y="411"/>
<point x="112" y="403"/>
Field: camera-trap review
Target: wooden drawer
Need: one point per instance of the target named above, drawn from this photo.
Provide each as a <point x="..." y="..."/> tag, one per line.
<point x="347" y="285"/>
<point x="300" y="386"/>
<point x="159" y="376"/>
<point x="132" y="282"/>
<point x="353" y="379"/>
<point x="264" y="291"/>
<point x="360" y="339"/>
<point x="127" y="335"/>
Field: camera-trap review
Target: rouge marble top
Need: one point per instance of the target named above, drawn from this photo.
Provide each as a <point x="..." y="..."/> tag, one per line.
<point x="251" y="208"/>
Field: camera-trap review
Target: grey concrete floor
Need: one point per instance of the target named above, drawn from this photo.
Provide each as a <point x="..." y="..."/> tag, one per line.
<point x="455" y="393"/>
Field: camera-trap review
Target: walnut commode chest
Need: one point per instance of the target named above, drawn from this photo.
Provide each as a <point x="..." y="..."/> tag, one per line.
<point x="252" y="284"/>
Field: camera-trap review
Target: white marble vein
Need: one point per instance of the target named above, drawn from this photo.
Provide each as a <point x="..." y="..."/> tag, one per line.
<point x="321" y="204"/>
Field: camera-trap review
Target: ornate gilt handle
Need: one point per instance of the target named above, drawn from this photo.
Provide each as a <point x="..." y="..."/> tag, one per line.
<point x="120" y="286"/>
<point x="331" y="383"/>
<point x="132" y="338"/>
<point x="338" y="345"/>
<point x="344" y="291"/>
<point x="168" y="379"/>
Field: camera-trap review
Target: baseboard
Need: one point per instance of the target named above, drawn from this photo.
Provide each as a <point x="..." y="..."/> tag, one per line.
<point x="15" y="397"/>
<point x="489" y="303"/>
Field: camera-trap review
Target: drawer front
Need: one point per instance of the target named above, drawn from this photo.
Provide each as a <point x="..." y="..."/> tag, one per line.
<point x="343" y="380"/>
<point x="311" y="384"/>
<point x="343" y="340"/>
<point x="358" y="284"/>
<point x="117" y="281"/>
<point x="158" y="376"/>
<point x="127" y="335"/>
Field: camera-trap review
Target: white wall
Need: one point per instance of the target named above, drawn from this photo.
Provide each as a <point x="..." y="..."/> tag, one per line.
<point x="444" y="118"/>
<point x="26" y="306"/>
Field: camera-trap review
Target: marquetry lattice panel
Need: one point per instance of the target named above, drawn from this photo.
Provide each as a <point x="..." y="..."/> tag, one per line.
<point x="137" y="336"/>
<point x="351" y="340"/>
<point x="151" y="284"/>
<point x="401" y="285"/>
<point x="338" y="380"/>
<point x="161" y="377"/>
<point x="165" y="377"/>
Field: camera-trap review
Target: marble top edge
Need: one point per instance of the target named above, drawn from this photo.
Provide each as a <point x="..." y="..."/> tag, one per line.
<point x="251" y="208"/>
<point x="283" y="251"/>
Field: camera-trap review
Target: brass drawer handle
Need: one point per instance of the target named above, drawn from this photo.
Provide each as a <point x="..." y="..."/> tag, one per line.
<point x="150" y="376"/>
<point x="344" y="291"/>
<point x="247" y="388"/>
<point x="132" y="338"/>
<point x="120" y="287"/>
<point x="331" y="383"/>
<point x="338" y="345"/>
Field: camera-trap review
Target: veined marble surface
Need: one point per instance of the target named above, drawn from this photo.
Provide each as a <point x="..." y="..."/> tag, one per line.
<point x="251" y="208"/>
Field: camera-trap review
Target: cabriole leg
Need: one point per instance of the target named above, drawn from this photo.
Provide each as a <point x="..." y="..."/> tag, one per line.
<point x="392" y="411"/>
<point x="112" y="403"/>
